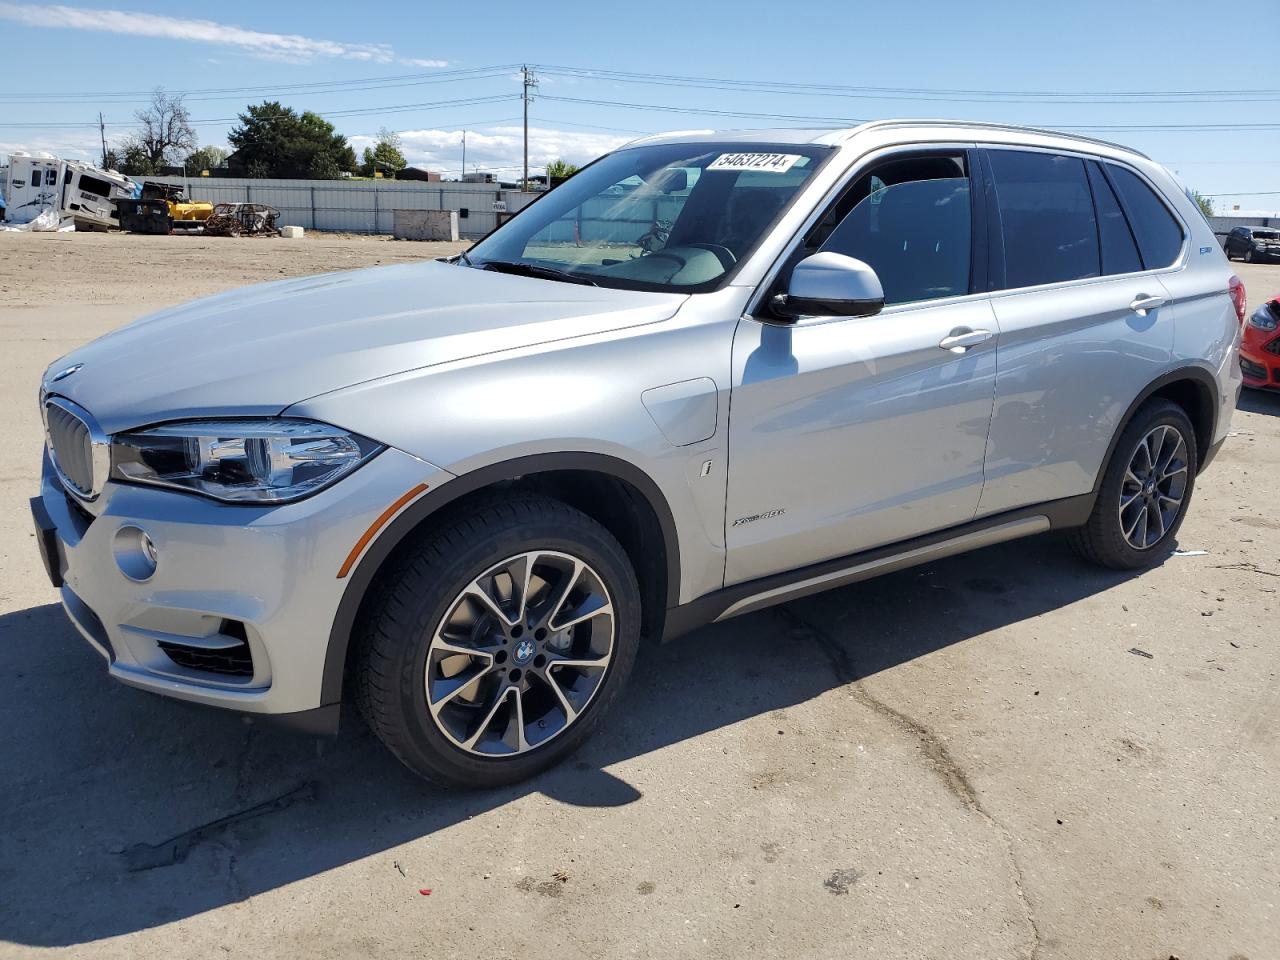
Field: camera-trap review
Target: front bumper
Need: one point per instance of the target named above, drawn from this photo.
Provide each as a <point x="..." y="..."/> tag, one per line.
<point x="1260" y="358"/>
<point x="238" y="611"/>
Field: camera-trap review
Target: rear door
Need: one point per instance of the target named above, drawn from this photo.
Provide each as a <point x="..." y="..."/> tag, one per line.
<point x="1085" y="324"/>
<point x="849" y="433"/>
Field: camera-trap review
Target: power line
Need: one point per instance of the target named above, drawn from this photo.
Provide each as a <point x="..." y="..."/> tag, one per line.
<point x="758" y="85"/>
<point x="410" y="79"/>
<point x="349" y="112"/>
<point x="851" y="121"/>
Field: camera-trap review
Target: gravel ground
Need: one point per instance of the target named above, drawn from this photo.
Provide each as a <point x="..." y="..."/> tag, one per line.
<point x="963" y="760"/>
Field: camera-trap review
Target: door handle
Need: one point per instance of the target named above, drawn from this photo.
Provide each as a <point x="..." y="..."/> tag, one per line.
<point x="962" y="338"/>
<point x="1142" y="303"/>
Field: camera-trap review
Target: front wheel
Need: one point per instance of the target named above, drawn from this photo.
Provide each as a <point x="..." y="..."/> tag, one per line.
<point x="1145" y="491"/>
<point x="496" y="646"/>
<point x="1248" y="254"/>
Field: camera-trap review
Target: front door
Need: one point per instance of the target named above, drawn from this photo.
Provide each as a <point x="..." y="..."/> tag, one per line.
<point x="850" y="433"/>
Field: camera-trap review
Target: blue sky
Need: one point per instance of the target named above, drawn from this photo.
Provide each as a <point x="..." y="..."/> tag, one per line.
<point x="1022" y="62"/>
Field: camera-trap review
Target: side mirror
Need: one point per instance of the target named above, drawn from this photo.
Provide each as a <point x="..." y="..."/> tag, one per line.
<point x="830" y="285"/>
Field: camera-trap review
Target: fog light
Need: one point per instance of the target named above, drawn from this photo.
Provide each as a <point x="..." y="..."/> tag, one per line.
<point x="135" y="553"/>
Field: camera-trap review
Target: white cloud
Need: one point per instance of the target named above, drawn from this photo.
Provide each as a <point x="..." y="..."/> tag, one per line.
<point x="67" y="146"/>
<point x="419" y="62"/>
<point x="284" y="46"/>
<point x="499" y="149"/>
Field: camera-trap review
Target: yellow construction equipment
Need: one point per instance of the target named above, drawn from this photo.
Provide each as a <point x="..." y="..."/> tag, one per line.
<point x="162" y="208"/>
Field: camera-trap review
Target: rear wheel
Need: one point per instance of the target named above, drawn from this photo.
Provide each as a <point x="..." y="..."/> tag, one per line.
<point x="496" y="647"/>
<point x="1145" y="491"/>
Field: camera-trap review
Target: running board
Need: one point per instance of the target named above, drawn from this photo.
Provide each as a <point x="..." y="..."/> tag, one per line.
<point x="1012" y="530"/>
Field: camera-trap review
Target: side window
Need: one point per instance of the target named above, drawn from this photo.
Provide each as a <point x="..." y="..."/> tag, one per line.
<point x="1119" y="251"/>
<point x="1159" y="234"/>
<point x="94" y="185"/>
<point x="911" y="220"/>
<point x="1046" y="215"/>
<point x="35" y="178"/>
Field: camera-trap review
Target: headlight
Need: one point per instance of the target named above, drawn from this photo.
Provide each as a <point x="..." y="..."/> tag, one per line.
<point x="241" y="461"/>
<point x="1264" y="318"/>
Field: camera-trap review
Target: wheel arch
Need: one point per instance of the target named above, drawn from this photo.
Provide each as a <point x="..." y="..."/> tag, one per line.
<point x="614" y="492"/>
<point x="1191" y="387"/>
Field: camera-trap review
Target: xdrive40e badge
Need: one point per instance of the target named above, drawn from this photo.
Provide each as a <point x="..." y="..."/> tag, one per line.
<point x="767" y="515"/>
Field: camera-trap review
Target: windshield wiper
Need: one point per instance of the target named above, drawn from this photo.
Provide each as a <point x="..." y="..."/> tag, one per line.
<point x="533" y="270"/>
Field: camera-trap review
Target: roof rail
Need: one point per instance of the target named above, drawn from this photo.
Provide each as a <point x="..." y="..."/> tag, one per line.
<point x="988" y="125"/>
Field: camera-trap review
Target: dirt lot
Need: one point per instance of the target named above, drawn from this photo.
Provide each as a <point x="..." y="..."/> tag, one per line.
<point x="965" y="760"/>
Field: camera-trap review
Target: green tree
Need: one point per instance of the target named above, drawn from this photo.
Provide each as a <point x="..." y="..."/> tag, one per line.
<point x="273" y="140"/>
<point x="385" y="155"/>
<point x="134" y="160"/>
<point x="206" y="158"/>
<point x="561" y="169"/>
<point x="1203" y="202"/>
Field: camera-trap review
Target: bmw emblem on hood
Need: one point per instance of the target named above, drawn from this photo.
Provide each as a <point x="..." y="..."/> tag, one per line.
<point x="63" y="374"/>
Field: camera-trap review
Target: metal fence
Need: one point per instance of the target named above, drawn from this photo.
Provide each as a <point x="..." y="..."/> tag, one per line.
<point x="362" y="207"/>
<point x="1224" y="224"/>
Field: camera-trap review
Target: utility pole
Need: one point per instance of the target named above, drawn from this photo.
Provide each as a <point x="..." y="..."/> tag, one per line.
<point x="464" y="155"/>
<point x="102" y="131"/>
<point x="529" y="82"/>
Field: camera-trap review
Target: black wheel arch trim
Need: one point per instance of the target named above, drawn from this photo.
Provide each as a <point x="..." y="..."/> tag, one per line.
<point x="360" y="578"/>
<point x="1198" y="375"/>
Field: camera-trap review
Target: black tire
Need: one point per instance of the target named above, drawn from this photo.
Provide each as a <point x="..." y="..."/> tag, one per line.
<point x="1102" y="540"/>
<point x="420" y="589"/>
<point x="1248" y="254"/>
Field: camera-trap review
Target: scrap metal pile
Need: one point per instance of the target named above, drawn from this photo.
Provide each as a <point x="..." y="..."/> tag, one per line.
<point x="242" y="220"/>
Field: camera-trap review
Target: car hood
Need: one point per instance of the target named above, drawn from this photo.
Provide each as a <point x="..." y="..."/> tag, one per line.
<point x="257" y="350"/>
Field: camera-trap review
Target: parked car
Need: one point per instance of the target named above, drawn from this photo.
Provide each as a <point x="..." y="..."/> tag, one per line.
<point x="1260" y="347"/>
<point x="461" y="492"/>
<point x="1252" y="244"/>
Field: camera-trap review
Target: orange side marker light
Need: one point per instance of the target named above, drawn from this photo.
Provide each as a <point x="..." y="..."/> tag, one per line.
<point x="377" y="525"/>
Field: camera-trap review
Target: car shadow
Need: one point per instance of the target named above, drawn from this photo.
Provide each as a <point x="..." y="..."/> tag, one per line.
<point x="93" y="769"/>
<point x="1260" y="401"/>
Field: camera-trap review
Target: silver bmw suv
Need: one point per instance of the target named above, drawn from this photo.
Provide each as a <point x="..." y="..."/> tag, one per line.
<point x="707" y="374"/>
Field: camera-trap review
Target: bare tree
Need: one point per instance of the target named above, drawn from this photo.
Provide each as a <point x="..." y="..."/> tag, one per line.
<point x="164" y="129"/>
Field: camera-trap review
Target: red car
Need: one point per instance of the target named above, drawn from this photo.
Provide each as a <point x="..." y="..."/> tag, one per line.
<point x="1260" y="347"/>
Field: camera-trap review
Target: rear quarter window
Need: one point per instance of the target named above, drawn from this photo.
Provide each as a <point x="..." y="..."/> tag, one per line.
<point x="1158" y="232"/>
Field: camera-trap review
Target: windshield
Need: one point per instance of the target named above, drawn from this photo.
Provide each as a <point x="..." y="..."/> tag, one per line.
<point x="671" y="217"/>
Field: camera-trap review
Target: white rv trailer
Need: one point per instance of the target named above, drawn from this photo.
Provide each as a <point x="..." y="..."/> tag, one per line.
<point x="38" y="182"/>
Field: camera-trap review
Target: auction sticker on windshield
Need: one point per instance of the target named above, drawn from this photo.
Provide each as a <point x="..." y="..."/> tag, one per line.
<point x="764" y="162"/>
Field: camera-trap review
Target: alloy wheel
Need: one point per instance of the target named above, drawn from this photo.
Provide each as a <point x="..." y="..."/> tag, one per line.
<point x="1154" y="485"/>
<point x="520" y="653"/>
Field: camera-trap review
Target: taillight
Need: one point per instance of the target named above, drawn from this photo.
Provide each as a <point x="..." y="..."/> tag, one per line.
<point x="1235" y="290"/>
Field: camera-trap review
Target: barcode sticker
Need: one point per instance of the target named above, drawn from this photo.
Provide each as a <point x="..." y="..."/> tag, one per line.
<point x="761" y="162"/>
